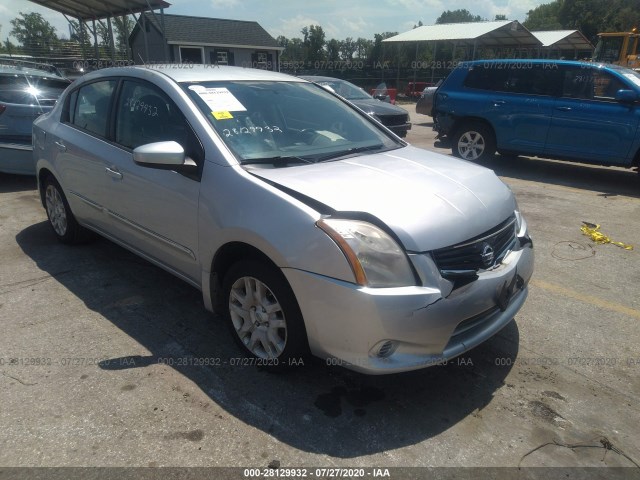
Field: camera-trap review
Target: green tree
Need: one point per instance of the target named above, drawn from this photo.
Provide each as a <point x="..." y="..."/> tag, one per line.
<point x="122" y="27"/>
<point x="348" y="47"/>
<point x="313" y="38"/>
<point x="544" y="17"/>
<point x="36" y="35"/>
<point x="363" y="48"/>
<point x="379" y="53"/>
<point x="82" y="37"/>
<point x="499" y="17"/>
<point x="294" y="49"/>
<point x="333" y="50"/>
<point x="457" y="16"/>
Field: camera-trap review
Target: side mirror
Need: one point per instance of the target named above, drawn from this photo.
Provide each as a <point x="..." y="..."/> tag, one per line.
<point x="159" y="154"/>
<point x="626" y="96"/>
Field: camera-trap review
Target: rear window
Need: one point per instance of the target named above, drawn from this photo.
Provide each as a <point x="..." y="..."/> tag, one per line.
<point x="525" y="78"/>
<point x="31" y="90"/>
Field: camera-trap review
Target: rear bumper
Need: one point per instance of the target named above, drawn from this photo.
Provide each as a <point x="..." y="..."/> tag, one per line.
<point x="17" y="158"/>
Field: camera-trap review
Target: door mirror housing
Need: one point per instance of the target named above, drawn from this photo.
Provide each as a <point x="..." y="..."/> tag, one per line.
<point x="159" y="154"/>
<point x="626" y="96"/>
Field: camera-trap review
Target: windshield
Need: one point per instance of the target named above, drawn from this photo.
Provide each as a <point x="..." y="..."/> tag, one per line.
<point x="284" y="123"/>
<point x="344" y="89"/>
<point x="608" y="49"/>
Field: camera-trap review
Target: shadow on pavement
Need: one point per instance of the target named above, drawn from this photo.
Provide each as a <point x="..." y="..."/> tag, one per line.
<point x="315" y="408"/>
<point x="16" y="183"/>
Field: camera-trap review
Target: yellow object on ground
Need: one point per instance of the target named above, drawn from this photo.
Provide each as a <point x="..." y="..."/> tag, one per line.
<point x="592" y="231"/>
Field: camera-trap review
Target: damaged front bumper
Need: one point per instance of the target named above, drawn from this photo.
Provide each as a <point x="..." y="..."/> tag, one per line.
<point x="388" y="330"/>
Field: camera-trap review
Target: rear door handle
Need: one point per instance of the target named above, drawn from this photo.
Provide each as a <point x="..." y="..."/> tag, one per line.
<point x="499" y="103"/>
<point x="564" y="109"/>
<point x="113" y="173"/>
<point x="61" y="146"/>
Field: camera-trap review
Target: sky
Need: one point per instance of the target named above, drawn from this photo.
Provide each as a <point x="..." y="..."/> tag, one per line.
<point x="338" y="18"/>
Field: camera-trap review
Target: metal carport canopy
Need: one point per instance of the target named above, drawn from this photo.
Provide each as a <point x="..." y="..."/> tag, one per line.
<point x="97" y="9"/>
<point x="564" y="40"/>
<point x="485" y="34"/>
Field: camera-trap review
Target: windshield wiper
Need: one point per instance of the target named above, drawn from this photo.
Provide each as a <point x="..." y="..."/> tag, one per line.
<point x="350" y="151"/>
<point x="279" y="160"/>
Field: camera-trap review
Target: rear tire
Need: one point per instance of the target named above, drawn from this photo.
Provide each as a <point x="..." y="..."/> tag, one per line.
<point x="263" y="315"/>
<point x="61" y="219"/>
<point x="473" y="141"/>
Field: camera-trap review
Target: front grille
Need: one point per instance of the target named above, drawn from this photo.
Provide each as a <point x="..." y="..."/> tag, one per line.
<point x="475" y="254"/>
<point x="392" y="120"/>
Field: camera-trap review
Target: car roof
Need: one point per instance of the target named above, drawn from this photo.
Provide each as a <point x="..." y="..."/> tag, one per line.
<point x="6" y="70"/>
<point x="535" y="61"/>
<point x="196" y="73"/>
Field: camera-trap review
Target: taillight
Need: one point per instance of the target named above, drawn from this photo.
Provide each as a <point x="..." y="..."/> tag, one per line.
<point x="2" y="108"/>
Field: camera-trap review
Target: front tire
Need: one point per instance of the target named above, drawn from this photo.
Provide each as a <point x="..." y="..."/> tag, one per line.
<point x="61" y="219"/>
<point x="474" y="142"/>
<point x="263" y="314"/>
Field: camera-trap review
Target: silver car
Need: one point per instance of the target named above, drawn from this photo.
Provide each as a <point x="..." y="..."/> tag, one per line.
<point x="307" y="224"/>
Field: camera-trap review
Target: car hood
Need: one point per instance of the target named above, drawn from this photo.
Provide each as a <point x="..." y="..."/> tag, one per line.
<point x="371" y="105"/>
<point x="429" y="200"/>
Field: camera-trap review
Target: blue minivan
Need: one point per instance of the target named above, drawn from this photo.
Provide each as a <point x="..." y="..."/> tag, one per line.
<point x="567" y="110"/>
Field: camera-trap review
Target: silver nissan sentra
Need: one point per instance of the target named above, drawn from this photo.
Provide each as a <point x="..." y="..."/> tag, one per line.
<point x="306" y="224"/>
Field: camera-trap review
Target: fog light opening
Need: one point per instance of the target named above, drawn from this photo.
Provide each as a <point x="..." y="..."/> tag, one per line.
<point x="384" y="349"/>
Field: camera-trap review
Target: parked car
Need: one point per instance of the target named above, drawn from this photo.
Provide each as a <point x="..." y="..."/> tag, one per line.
<point x="25" y="93"/>
<point x="425" y="102"/>
<point x="391" y="116"/>
<point x="568" y="110"/>
<point x="303" y="221"/>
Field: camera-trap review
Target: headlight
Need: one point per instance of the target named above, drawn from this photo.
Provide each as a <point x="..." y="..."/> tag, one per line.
<point x="375" y="258"/>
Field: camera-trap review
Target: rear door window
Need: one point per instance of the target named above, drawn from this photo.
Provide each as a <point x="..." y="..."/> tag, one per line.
<point x="525" y="78"/>
<point x="91" y="109"/>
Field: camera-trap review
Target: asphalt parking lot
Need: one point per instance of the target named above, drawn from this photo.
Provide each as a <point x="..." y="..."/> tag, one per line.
<point x="101" y="356"/>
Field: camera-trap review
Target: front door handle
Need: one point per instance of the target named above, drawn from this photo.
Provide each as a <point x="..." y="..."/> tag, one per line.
<point x="61" y="146"/>
<point x="113" y="173"/>
<point x="499" y="103"/>
<point x="564" y="109"/>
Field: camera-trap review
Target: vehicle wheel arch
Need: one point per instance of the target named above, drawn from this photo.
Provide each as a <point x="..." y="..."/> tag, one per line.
<point x="224" y="258"/>
<point x="636" y="160"/>
<point x="467" y="124"/>
<point x="461" y="121"/>
<point x="43" y="174"/>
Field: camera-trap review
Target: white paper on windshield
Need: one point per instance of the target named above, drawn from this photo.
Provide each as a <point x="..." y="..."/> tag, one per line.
<point x="633" y="78"/>
<point x="220" y="100"/>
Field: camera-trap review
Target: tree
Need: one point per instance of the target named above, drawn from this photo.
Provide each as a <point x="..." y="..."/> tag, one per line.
<point x="122" y="27"/>
<point x="36" y="35"/>
<point x="378" y="54"/>
<point x="333" y="50"/>
<point x="294" y="49"/>
<point x="81" y="37"/>
<point x="500" y="16"/>
<point x="363" y="48"/>
<point x="313" y="38"/>
<point x="347" y="48"/>
<point x="457" y="16"/>
<point x="544" y="17"/>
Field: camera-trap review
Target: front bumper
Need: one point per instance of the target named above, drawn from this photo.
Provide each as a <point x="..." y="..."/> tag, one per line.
<point x="427" y="325"/>
<point x="400" y="130"/>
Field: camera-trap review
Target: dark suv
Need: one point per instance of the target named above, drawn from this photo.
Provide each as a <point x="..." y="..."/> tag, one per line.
<point x="555" y="109"/>
<point x="27" y="90"/>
